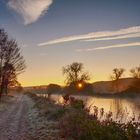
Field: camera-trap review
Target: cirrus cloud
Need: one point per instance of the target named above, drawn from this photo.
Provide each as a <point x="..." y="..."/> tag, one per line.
<point x="131" y="44"/>
<point x="130" y="32"/>
<point x="30" y="10"/>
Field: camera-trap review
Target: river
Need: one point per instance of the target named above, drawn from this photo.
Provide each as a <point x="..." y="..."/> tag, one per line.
<point x="122" y="108"/>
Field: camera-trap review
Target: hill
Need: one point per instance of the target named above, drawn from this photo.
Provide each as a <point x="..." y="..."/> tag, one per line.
<point x="112" y="86"/>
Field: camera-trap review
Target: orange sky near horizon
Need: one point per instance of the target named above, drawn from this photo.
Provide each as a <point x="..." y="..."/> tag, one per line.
<point x="27" y="81"/>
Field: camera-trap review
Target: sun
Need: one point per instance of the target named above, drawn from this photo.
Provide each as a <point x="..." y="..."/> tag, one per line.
<point x="80" y="85"/>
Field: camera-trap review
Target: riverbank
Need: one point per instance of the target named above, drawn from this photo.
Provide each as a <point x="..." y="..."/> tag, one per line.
<point x="29" y="117"/>
<point x="44" y="119"/>
<point x="76" y="122"/>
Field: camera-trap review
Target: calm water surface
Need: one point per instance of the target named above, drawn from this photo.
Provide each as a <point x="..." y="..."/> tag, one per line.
<point x="122" y="108"/>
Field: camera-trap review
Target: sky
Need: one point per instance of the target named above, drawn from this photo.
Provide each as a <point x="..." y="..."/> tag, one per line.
<point x="101" y="34"/>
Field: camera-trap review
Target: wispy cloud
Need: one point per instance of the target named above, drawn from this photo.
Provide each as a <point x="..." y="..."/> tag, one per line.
<point x="133" y="44"/>
<point x="130" y="32"/>
<point x="116" y="37"/>
<point x="30" y="10"/>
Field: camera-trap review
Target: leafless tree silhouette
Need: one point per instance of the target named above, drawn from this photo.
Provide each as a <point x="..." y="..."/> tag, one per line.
<point x="135" y="72"/>
<point x="117" y="74"/>
<point x="75" y="73"/>
<point x="11" y="62"/>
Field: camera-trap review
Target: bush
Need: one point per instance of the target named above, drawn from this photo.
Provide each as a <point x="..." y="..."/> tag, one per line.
<point x="77" y="104"/>
<point x="53" y="88"/>
<point x="79" y="125"/>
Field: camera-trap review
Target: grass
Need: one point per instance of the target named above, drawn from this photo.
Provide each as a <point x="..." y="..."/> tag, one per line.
<point x="76" y="123"/>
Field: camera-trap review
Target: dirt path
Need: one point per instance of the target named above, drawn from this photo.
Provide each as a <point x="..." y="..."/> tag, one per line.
<point x="14" y="118"/>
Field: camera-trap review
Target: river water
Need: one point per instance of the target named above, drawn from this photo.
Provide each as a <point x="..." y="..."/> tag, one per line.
<point x="122" y="108"/>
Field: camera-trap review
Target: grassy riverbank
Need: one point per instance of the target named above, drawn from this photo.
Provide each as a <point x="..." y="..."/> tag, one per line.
<point x="73" y="121"/>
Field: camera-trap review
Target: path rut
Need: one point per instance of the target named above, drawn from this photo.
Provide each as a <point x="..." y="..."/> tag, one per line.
<point x="14" y="120"/>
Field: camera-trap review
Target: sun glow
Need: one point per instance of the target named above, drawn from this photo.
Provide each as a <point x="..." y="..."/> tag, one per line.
<point x="80" y="85"/>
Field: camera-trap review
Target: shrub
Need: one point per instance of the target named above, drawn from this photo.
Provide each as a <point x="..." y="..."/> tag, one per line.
<point x="77" y="104"/>
<point x="53" y="88"/>
<point x="79" y="125"/>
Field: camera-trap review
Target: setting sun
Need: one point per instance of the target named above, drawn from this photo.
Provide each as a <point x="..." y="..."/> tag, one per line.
<point x="80" y="85"/>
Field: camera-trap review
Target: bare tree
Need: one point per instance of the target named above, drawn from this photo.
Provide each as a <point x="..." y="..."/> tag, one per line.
<point x="11" y="61"/>
<point x="75" y="73"/>
<point x="117" y="74"/>
<point x="135" y="72"/>
<point x="3" y="40"/>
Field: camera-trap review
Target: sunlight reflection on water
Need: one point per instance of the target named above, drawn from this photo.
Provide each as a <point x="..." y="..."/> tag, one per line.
<point x="124" y="108"/>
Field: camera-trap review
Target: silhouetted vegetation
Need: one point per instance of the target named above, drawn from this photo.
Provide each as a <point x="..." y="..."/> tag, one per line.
<point x="75" y="74"/>
<point x="53" y="88"/>
<point x="76" y="79"/>
<point x="135" y="87"/>
<point x="11" y="62"/>
<point x="117" y="73"/>
<point x="79" y="125"/>
<point x="75" y="121"/>
<point x="135" y="72"/>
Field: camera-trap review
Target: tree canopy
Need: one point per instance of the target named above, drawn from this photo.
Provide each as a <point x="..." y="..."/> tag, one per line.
<point x="135" y="72"/>
<point x="117" y="73"/>
<point x="75" y="73"/>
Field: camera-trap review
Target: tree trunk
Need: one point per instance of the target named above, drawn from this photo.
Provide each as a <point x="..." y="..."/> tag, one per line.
<point x="6" y="88"/>
<point x="1" y="88"/>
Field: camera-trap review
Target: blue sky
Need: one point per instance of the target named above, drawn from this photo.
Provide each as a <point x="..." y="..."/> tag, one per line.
<point x="102" y="34"/>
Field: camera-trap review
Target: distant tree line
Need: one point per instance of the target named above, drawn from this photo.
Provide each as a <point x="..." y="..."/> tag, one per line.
<point x="75" y="73"/>
<point x="118" y="73"/>
<point x="77" y="78"/>
<point x="12" y="62"/>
